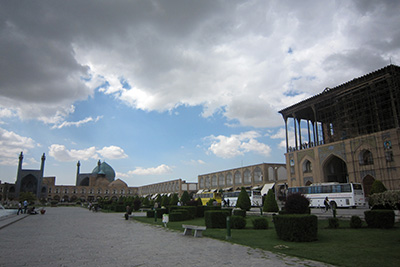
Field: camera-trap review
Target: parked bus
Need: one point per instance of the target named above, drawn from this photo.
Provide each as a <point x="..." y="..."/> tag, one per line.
<point x="230" y="198"/>
<point x="206" y="196"/>
<point x="339" y="195"/>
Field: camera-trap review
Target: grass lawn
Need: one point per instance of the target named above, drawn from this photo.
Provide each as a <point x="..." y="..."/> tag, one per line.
<point x="344" y="246"/>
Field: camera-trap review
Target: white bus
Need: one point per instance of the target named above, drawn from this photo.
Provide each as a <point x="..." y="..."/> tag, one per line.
<point x="339" y="195"/>
<point x="230" y="198"/>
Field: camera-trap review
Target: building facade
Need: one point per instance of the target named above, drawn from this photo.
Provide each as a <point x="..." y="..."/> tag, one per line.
<point x="98" y="184"/>
<point x="349" y="133"/>
<point x="254" y="176"/>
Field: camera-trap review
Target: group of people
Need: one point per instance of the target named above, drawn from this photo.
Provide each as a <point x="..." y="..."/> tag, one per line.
<point x="23" y="208"/>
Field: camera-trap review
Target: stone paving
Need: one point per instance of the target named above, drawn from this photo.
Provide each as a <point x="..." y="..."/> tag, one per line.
<point x="70" y="236"/>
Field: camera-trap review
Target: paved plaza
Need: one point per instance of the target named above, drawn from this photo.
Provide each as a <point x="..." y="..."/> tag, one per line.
<point x="68" y="236"/>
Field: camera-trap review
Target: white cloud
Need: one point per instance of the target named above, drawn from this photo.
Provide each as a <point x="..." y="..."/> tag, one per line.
<point x="61" y="153"/>
<point x="11" y="144"/>
<point x="237" y="145"/>
<point x="244" y="60"/>
<point x="161" y="169"/>
<point x="112" y="152"/>
<point x="76" y="123"/>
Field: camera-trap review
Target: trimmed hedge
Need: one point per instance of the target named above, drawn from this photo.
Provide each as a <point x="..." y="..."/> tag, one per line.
<point x="260" y="223"/>
<point x="238" y="222"/>
<point x="150" y="214"/>
<point x="178" y="215"/>
<point x="333" y="223"/>
<point x="216" y="218"/>
<point x="200" y="211"/>
<point x="296" y="227"/>
<point x="379" y="218"/>
<point x="190" y="209"/>
<point x="355" y="222"/>
<point x="239" y="213"/>
<point x="160" y="212"/>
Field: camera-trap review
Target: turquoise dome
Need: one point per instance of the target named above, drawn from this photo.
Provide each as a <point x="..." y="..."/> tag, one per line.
<point x="103" y="169"/>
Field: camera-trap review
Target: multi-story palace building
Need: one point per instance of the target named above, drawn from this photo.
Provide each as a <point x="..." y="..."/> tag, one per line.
<point x="255" y="176"/>
<point x="349" y="133"/>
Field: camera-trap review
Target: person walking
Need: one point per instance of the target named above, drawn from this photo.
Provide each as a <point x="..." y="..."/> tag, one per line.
<point x="326" y="203"/>
<point x="19" y="208"/>
<point x="25" y="206"/>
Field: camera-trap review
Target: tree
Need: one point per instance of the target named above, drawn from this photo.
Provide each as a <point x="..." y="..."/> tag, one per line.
<point x="243" y="201"/>
<point x="377" y="187"/>
<point x="164" y="201"/>
<point x="185" y="198"/>
<point x="174" y="199"/>
<point x="270" y="204"/>
<point x="28" y="196"/>
<point x="137" y="203"/>
<point x="297" y="204"/>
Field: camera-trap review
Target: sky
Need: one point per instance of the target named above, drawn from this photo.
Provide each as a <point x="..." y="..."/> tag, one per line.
<point x="170" y="89"/>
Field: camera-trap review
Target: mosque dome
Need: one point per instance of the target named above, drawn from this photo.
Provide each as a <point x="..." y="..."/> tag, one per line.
<point x="104" y="170"/>
<point x="117" y="183"/>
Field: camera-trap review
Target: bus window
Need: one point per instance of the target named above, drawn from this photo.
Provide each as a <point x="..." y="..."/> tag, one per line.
<point x="336" y="189"/>
<point x="357" y="187"/>
<point x="327" y="189"/>
<point x="346" y="188"/>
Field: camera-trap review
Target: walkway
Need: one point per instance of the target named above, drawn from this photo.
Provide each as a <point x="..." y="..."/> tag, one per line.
<point x="76" y="237"/>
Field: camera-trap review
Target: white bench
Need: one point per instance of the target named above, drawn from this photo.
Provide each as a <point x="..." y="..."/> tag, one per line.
<point x="197" y="230"/>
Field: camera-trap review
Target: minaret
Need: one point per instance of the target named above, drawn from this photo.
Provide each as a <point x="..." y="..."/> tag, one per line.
<point x="78" y="169"/>
<point x="21" y="157"/>
<point x="42" y="165"/>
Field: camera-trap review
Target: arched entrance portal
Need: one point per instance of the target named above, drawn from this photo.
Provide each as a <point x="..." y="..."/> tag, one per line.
<point x="85" y="182"/>
<point x="335" y="170"/>
<point x="29" y="184"/>
<point x="367" y="184"/>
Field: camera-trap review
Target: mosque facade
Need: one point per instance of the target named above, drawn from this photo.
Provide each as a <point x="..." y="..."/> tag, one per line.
<point x="101" y="183"/>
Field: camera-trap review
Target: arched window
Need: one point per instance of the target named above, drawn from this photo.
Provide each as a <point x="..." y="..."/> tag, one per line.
<point x="214" y="180"/>
<point x="229" y="180"/>
<point x="221" y="180"/>
<point x="307" y="166"/>
<point x="258" y="175"/>
<point x="366" y="158"/>
<point x="238" y="177"/>
<point x="247" y="176"/>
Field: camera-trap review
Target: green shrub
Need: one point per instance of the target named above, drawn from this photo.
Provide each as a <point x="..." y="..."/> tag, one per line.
<point x="239" y="213"/>
<point x="297" y="204"/>
<point x="119" y="208"/>
<point x="185" y="198"/>
<point x="270" y="204"/>
<point x="379" y="218"/>
<point x="160" y="212"/>
<point x="355" y="222"/>
<point x="200" y="211"/>
<point x="296" y="227"/>
<point x="389" y="199"/>
<point x="238" y="222"/>
<point x="333" y="223"/>
<point x="150" y="214"/>
<point x="243" y="201"/>
<point x="174" y="199"/>
<point x="215" y="218"/>
<point x="377" y="187"/>
<point x="260" y="223"/>
<point x="136" y="204"/>
<point x="210" y="203"/>
<point x="191" y="210"/>
<point x="178" y="215"/>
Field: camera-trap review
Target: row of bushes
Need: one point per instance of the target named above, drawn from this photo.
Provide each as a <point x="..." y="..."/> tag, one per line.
<point x="218" y="219"/>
